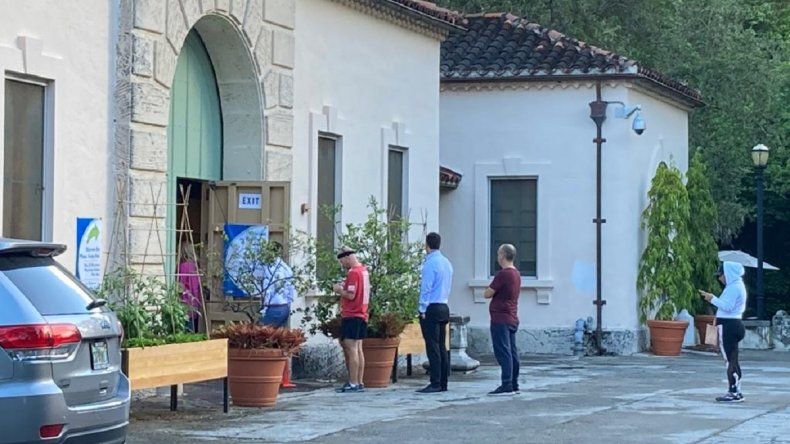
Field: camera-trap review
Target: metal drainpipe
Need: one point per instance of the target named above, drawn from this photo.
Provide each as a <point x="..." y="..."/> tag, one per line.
<point x="598" y="115"/>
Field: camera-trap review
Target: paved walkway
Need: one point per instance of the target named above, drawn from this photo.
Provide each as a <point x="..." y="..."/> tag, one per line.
<point x="595" y="399"/>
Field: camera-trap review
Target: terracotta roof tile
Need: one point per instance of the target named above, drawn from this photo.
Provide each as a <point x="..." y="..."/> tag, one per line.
<point x="432" y="10"/>
<point x="503" y="46"/>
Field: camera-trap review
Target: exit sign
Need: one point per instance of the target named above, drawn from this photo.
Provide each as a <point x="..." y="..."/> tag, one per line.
<point x="249" y="201"/>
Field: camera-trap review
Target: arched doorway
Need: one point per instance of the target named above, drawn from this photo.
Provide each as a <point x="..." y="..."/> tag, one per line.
<point x="249" y="68"/>
<point x="194" y="139"/>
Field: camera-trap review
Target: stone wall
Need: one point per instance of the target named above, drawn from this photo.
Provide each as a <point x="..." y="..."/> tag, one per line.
<point x="558" y="341"/>
<point x="325" y="361"/>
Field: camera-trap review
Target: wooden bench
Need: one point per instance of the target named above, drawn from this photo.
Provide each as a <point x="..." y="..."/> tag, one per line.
<point x="412" y="343"/>
<point x="174" y="364"/>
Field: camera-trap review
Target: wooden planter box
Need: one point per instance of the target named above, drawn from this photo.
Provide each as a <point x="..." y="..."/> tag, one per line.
<point x="412" y="343"/>
<point x="173" y="364"/>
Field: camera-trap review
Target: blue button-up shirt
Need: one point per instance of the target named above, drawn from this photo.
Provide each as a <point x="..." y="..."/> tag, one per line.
<point x="437" y="280"/>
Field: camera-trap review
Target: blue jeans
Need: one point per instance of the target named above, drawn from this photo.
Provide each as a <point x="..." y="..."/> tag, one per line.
<point x="276" y="315"/>
<point x="504" y="338"/>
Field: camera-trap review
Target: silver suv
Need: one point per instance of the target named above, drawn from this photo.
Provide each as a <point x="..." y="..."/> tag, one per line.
<point x="60" y="359"/>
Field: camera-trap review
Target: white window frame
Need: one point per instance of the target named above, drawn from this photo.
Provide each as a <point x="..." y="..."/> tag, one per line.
<point x="338" y="141"/>
<point x="512" y="168"/>
<point x="48" y="163"/>
<point x="326" y="124"/>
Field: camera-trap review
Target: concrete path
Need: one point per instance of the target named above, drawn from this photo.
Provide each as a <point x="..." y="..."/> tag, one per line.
<point x="595" y="399"/>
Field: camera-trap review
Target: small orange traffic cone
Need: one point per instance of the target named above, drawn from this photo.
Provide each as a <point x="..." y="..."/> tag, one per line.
<point x="286" y="382"/>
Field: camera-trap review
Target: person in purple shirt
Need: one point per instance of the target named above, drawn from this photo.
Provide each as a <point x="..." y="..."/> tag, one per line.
<point x="503" y="292"/>
<point x="189" y="279"/>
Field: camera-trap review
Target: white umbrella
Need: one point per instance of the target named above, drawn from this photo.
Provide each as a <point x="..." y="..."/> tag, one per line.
<point x="745" y="259"/>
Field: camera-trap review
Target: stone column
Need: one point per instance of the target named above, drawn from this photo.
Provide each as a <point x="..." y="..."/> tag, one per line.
<point x="459" y="360"/>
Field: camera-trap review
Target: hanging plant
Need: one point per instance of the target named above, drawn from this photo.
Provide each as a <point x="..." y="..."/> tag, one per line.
<point x="702" y="226"/>
<point x="665" y="269"/>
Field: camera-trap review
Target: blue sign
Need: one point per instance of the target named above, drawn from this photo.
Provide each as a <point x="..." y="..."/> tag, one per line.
<point x="89" y="251"/>
<point x="238" y="239"/>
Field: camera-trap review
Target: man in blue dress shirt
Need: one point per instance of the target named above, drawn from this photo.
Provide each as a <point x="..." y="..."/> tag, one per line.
<point x="437" y="278"/>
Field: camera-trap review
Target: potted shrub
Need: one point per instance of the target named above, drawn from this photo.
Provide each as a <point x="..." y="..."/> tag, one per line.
<point x="157" y="349"/>
<point x="702" y="225"/>
<point x="257" y="354"/>
<point x="256" y="360"/>
<point x="394" y="268"/>
<point x="665" y="267"/>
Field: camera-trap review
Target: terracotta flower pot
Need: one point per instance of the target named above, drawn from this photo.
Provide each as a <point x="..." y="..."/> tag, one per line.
<point x="254" y="376"/>
<point x="700" y="321"/>
<point x="379" y="356"/>
<point x="666" y="337"/>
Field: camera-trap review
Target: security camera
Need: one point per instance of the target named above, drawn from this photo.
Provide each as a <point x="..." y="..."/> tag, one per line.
<point x="639" y="124"/>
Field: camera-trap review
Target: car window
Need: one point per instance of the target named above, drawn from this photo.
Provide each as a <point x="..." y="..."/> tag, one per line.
<point x="48" y="286"/>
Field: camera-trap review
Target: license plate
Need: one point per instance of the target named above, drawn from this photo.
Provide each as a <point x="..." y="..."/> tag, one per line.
<point x="100" y="356"/>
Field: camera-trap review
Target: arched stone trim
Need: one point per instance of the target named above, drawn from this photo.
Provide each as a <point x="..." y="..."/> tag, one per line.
<point x="251" y="43"/>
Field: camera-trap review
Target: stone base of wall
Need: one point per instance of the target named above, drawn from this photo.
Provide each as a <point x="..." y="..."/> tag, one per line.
<point x="325" y="361"/>
<point x="758" y="335"/>
<point x="558" y="341"/>
<point x="781" y="331"/>
<point x="319" y="361"/>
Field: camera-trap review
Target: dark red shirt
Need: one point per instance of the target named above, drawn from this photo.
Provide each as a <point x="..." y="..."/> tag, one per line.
<point x="504" y="304"/>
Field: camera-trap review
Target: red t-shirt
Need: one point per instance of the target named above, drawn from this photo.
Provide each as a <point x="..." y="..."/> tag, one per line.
<point x="357" y="282"/>
<point x="504" y="303"/>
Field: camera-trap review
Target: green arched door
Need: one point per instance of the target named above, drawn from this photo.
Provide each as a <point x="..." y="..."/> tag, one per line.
<point x="194" y="135"/>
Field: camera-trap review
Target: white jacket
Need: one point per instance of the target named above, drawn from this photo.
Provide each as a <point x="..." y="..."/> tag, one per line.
<point x="732" y="302"/>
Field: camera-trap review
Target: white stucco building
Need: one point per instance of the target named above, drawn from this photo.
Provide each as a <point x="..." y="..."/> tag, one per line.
<point x="107" y="107"/>
<point x="515" y="124"/>
<point x="111" y="106"/>
<point x="55" y="118"/>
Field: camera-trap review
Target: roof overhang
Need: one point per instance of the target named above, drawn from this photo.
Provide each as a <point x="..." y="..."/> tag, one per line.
<point x="420" y="16"/>
<point x="682" y="95"/>
<point x="449" y="179"/>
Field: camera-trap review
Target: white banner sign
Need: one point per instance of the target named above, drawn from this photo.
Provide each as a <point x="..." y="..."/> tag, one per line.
<point x="89" y="252"/>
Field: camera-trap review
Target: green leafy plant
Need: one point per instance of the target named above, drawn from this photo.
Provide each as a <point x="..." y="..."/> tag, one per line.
<point x="179" y="338"/>
<point x="150" y="310"/>
<point x="665" y="269"/>
<point x="701" y="228"/>
<point x="393" y="265"/>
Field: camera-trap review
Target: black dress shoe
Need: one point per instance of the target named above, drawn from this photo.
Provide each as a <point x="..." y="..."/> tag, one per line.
<point x="430" y="389"/>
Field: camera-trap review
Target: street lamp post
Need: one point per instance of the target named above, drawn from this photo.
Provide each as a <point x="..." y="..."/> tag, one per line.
<point x="760" y="160"/>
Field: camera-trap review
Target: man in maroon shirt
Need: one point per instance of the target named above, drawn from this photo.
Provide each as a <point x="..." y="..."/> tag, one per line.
<point x="503" y="292"/>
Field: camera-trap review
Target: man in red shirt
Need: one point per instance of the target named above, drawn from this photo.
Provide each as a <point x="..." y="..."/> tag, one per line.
<point x="503" y="292"/>
<point x="354" y="297"/>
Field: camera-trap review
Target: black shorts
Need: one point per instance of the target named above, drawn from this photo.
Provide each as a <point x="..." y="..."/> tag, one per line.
<point x="354" y="328"/>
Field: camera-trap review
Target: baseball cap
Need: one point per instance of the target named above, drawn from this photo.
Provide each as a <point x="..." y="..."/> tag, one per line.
<point x="344" y="252"/>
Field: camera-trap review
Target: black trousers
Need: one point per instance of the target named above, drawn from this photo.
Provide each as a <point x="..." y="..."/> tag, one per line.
<point x="731" y="332"/>
<point x="434" y="331"/>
